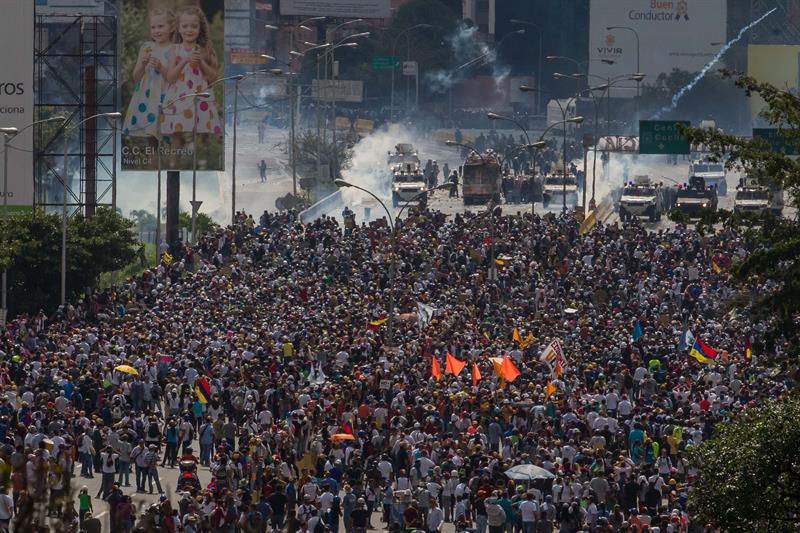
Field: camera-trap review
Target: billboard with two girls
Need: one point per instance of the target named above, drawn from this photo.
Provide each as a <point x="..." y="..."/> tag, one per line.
<point x="172" y="52"/>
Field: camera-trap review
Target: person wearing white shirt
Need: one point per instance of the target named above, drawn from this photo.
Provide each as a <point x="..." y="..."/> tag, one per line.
<point x="528" y="511"/>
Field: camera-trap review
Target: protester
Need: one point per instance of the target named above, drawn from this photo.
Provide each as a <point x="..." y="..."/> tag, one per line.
<point x="268" y="347"/>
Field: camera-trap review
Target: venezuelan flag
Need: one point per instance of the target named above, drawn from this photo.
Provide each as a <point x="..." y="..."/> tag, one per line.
<point x="376" y="324"/>
<point x="202" y="389"/>
<point x="703" y="353"/>
<point x="748" y="348"/>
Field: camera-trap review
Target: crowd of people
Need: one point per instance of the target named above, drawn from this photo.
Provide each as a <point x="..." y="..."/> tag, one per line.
<point x="263" y="355"/>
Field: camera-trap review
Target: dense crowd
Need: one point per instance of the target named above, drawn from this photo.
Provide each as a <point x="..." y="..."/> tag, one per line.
<point x="262" y="354"/>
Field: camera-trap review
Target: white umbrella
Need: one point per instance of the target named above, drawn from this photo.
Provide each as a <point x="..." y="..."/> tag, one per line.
<point x="528" y="473"/>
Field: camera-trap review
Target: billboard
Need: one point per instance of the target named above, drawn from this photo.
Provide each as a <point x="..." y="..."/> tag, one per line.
<point x="339" y="90"/>
<point x="16" y="99"/>
<point x="661" y="34"/>
<point x="776" y="64"/>
<point x="171" y="50"/>
<point x="365" y="9"/>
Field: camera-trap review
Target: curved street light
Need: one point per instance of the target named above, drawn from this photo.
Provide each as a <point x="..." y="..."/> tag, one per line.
<point x="8" y="135"/>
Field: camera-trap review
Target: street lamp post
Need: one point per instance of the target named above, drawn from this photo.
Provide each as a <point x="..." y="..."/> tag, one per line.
<point x="158" y="159"/>
<point x="114" y="115"/>
<point x="638" y="51"/>
<point x="394" y="51"/>
<point x="195" y="204"/>
<point x="539" y="54"/>
<point x="334" y="77"/>
<point x="8" y="134"/>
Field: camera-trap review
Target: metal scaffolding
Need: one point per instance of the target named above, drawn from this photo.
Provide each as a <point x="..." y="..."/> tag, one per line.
<point x="75" y="71"/>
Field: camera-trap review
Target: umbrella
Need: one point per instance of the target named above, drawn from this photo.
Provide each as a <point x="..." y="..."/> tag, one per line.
<point x="527" y="472"/>
<point x="342" y="436"/>
<point x="127" y="370"/>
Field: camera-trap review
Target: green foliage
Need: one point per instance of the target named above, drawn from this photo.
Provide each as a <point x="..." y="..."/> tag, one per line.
<point x="311" y="147"/>
<point x="777" y="257"/>
<point x="31" y="252"/>
<point x="143" y="220"/>
<point x="749" y="474"/>
<point x="205" y="224"/>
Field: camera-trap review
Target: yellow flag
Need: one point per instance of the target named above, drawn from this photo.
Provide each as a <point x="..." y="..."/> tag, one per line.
<point x="549" y="390"/>
<point x="529" y="339"/>
<point x="166" y="258"/>
<point x="515" y="336"/>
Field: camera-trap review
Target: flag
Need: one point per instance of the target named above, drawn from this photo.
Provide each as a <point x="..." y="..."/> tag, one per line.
<point x="715" y="266"/>
<point x="453" y="365"/>
<point x="499" y="262"/>
<point x="557" y="370"/>
<point x="496" y="364"/>
<point x="553" y="353"/>
<point x="486" y="334"/>
<point x="529" y="339"/>
<point x="376" y="324"/>
<point x="425" y="314"/>
<point x="748" y="349"/>
<point x="347" y="427"/>
<point x="549" y="389"/>
<point x="436" y="369"/>
<point x="509" y="370"/>
<point x="202" y="389"/>
<point x="165" y="359"/>
<point x="637" y="331"/>
<point x="703" y="353"/>
<point x="515" y="336"/>
<point x="476" y="374"/>
<point x="166" y="258"/>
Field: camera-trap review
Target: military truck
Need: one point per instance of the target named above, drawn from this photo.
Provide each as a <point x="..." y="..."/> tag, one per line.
<point x="558" y="190"/>
<point x="695" y="198"/>
<point x="481" y="178"/>
<point x="713" y="173"/>
<point x="642" y="198"/>
<point x="753" y="197"/>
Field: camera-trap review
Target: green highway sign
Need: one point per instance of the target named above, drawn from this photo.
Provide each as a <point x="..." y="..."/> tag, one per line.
<point x="662" y="137"/>
<point x="775" y="140"/>
<point x="385" y="62"/>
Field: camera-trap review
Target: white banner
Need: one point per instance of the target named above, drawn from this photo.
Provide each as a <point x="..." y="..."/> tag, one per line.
<point x="671" y="34"/>
<point x="16" y="98"/>
<point x="367" y="9"/>
<point x="339" y="90"/>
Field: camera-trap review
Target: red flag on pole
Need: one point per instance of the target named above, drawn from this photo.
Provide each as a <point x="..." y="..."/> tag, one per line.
<point x="476" y="374"/>
<point x="453" y="365"/>
<point x="509" y="370"/>
<point x="436" y="369"/>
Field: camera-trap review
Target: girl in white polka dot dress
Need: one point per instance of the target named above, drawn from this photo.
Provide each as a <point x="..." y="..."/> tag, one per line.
<point x="141" y="119"/>
<point x="192" y="64"/>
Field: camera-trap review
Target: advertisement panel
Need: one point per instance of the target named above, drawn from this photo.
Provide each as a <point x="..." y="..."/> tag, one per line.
<point x="776" y="64"/>
<point x="16" y="99"/>
<point x="653" y="37"/>
<point x="339" y="90"/>
<point x="171" y="50"/>
<point x="365" y="9"/>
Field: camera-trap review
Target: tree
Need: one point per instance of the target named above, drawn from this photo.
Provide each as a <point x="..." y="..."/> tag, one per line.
<point x="31" y="251"/>
<point x="144" y="220"/>
<point x="749" y="476"/>
<point x="312" y="148"/>
<point x="777" y="256"/>
<point x="205" y="224"/>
